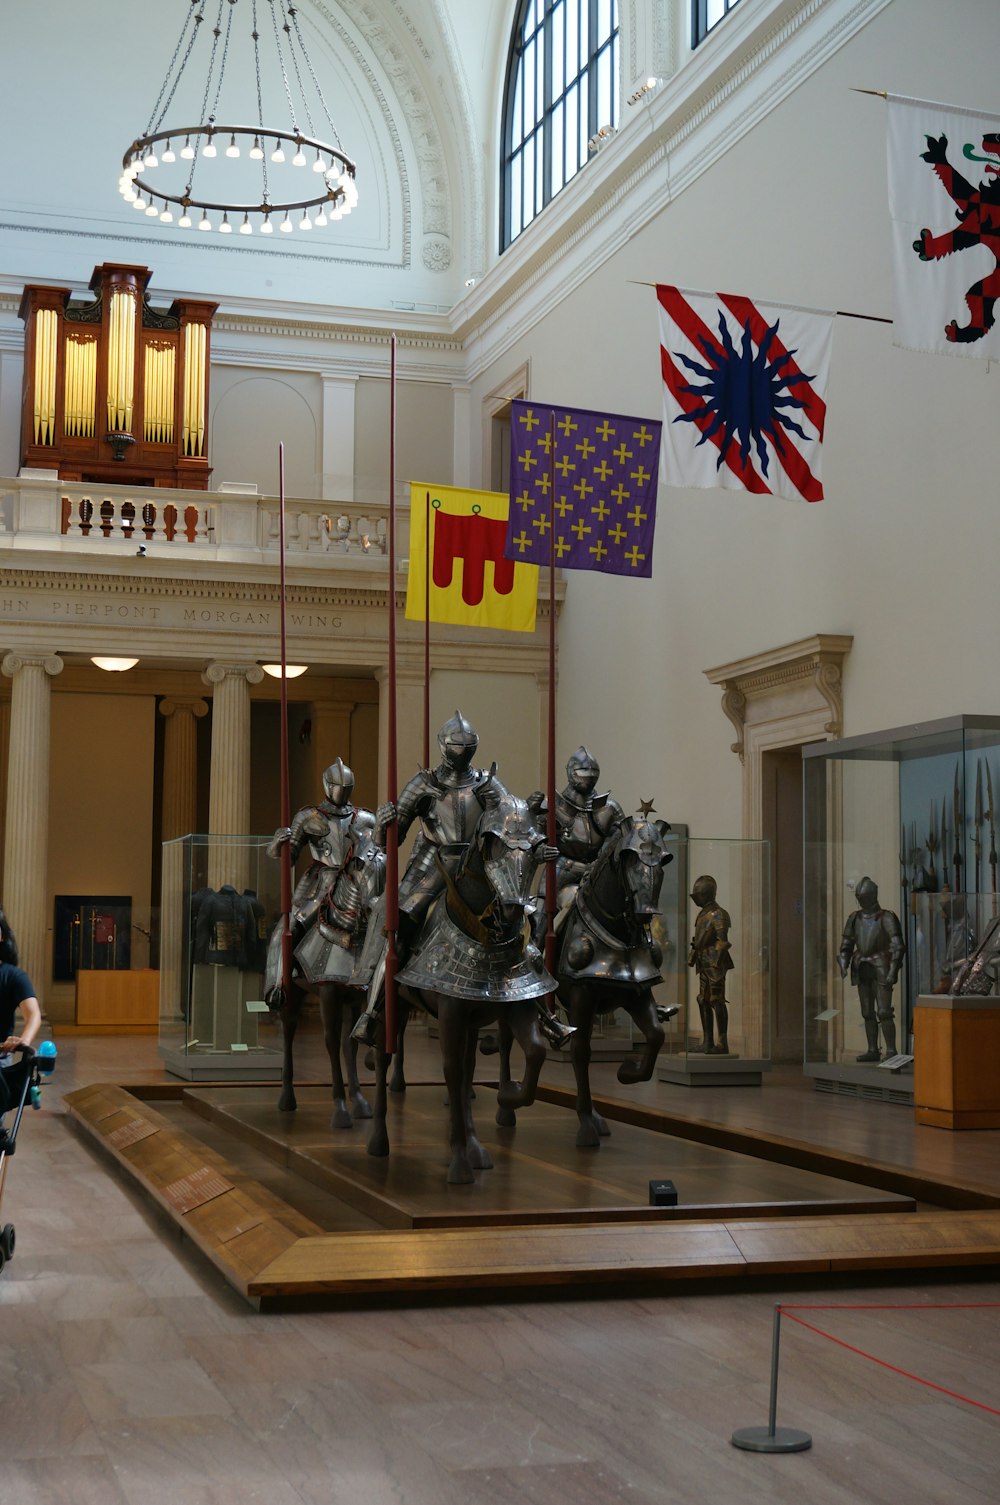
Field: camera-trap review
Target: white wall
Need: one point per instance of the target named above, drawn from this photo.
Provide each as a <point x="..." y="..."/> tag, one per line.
<point x="900" y="552"/>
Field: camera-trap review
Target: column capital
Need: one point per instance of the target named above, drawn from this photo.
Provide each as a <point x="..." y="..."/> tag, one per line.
<point x="192" y="703"/>
<point x="217" y="672"/>
<point x="14" y="662"/>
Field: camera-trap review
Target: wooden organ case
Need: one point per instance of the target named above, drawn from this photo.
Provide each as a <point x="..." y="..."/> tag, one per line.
<point x="114" y="389"/>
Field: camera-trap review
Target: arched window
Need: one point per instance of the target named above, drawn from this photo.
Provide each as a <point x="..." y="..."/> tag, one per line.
<point x="561" y="88"/>
<point x="704" y="15"/>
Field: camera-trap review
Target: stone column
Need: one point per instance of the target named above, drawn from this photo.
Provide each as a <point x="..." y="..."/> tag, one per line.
<point x="4" y="759"/>
<point x="180" y="804"/>
<point x="180" y="765"/>
<point x="409" y="726"/>
<point x="331" y="738"/>
<point x="27" y="836"/>
<point x="229" y="792"/>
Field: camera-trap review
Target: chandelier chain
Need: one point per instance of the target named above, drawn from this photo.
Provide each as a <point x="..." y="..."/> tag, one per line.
<point x="194" y="21"/>
<point x="281" y="65"/>
<point x="293" y="13"/>
<point x="295" y="64"/>
<point x="222" y="64"/>
<point x="260" y="99"/>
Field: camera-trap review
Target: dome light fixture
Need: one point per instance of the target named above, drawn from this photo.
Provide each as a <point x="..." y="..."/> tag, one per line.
<point x="238" y="181"/>
<point x="292" y="671"/>
<point x="114" y="665"/>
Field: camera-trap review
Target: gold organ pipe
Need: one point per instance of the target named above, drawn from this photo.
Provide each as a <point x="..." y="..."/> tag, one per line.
<point x="170" y="365"/>
<point x="46" y="322"/>
<point x="188" y="365"/>
<point x="112" y="361"/>
<point x="130" y="309"/>
<point x="202" y="375"/>
<point x="90" y="403"/>
<point x="71" y="404"/>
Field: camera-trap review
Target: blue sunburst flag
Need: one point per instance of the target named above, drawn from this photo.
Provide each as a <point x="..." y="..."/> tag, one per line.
<point x="744" y="393"/>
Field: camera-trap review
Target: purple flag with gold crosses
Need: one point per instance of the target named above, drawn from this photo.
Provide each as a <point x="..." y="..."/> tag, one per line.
<point x="604" y="503"/>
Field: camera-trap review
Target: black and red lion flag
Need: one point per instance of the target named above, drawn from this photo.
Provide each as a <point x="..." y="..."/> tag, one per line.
<point x="944" y="198"/>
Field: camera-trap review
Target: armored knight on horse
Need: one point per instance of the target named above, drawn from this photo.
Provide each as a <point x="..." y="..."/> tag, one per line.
<point x="447" y="801"/>
<point x="328" y="921"/>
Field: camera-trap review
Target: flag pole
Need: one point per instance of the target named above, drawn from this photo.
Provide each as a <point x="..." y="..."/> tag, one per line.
<point x="550" y="773"/>
<point x="427" y="630"/>
<point x="284" y="792"/>
<point x="392" y="778"/>
<point x="838" y="313"/>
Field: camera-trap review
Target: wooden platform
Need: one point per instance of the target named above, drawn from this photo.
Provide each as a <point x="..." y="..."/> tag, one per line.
<point x="547" y="1215"/>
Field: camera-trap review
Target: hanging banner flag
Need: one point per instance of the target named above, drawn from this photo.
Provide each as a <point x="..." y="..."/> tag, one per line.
<point x="744" y="393"/>
<point x="472" y="583"/>
<point x="944" y="198"/>
<point x="605" y="488"/>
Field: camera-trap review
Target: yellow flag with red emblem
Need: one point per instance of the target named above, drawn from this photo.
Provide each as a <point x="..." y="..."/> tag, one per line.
<point x="461" y="535"/>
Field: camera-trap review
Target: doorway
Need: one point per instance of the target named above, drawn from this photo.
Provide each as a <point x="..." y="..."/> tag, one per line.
<point x="781" y="810"/>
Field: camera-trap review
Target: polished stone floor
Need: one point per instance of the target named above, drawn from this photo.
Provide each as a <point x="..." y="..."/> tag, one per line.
<point x="129" y="1372"/>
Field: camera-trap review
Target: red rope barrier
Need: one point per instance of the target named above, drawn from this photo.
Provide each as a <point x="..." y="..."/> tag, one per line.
<point x="884" y="1363"/>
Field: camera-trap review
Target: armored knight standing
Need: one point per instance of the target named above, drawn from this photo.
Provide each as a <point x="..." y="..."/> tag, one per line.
<point x="873" y="948"/>
<point x="446" y="801"/>
<point x="711" y="959"/>
<point x="330" y="901"/>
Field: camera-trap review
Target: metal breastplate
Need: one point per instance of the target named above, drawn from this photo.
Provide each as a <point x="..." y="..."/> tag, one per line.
<point x="869" y="938"/>
<point x="577" y="834"/>
<point x="453" y="815"/>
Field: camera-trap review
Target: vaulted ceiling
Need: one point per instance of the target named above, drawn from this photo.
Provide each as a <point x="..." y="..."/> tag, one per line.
<point x="413" y="87"/>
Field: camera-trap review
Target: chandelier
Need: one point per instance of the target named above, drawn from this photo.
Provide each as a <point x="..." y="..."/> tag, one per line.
<point x="242" y="177"/>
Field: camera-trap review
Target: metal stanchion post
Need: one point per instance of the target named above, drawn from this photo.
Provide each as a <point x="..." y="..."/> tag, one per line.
<point x="772" y="1439"/>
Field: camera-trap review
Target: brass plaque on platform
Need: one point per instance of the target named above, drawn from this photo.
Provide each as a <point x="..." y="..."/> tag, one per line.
<point x="131" y="1133"/>
<point x="194" y="1190"/>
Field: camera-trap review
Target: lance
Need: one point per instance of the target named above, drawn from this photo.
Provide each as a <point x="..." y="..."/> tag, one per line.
<point x="392" y="835"/>
<point x="932" y="842"/>
<point x="991" y="817"/>
<point x="284" y="792"/>
<point x="944" y="840"/>
<point x="977" y="834"/>
<point x="550" y="781"/>
<point x="957" y="858"/>
<point x="427" y="631"/>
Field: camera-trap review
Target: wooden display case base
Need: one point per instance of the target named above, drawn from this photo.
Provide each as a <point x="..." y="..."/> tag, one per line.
<point x="956" y="1071"/>
<point x="117" y="1000"/>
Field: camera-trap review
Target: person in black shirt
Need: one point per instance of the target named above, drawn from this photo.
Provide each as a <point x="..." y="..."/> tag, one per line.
<point x="16" y="992"/>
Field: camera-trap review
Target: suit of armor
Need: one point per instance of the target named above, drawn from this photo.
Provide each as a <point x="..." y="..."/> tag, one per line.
<point x="710" y="957"/>
<point x="331" y="899"/>
<point x="873" y="949"/>
<point x="446" y="802"/>
<point x="584" y="821"/>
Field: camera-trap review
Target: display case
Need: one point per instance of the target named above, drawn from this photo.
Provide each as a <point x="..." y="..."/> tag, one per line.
<point x="912" y="810"/>
<point x="717" y="969"/>
<point x="220" y="900"/>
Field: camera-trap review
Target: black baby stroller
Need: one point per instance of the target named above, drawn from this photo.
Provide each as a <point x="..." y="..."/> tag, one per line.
<point x="35" y="1066"/>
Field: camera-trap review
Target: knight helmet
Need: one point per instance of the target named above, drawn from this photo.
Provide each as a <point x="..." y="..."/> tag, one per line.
<point x="583" y="770"/>
<point x="704" y="890"/>
<point x="458" y="741"/>
<point x="866" y="893"/>
<point x="338" y="783"/>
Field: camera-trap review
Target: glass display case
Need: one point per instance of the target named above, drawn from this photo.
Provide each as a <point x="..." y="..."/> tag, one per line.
<point x="913" y="811"/>
<point x="716" y="965"/>
<point x="220" y="900"/>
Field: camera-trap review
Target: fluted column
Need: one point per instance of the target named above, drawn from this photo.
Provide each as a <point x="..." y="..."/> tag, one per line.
<point x="27" y="836"/>
<point x="229" y="792"/>
<point x="180" y="806"/>
<point x="180" y="765"/>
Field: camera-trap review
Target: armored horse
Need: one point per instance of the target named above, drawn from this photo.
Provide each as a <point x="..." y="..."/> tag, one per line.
<point x="329" y="919"/>
<point x="473" y="962"/>
<point x="606" y="959"/>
